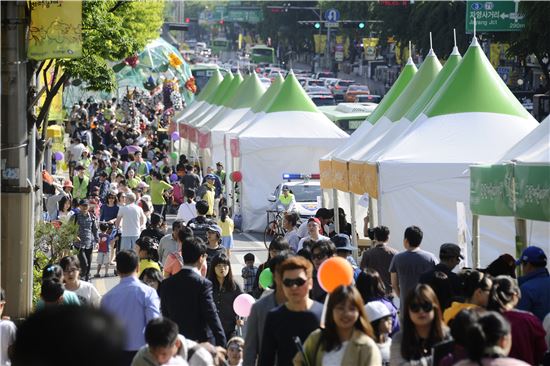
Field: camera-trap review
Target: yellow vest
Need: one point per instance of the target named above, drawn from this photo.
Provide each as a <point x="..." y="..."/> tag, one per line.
<point x="286" y="200"/>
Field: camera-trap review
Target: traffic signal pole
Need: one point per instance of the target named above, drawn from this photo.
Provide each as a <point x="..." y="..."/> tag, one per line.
<point x="17" y="154"/>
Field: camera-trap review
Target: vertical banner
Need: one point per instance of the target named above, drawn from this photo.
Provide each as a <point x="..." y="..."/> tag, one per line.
<point x="464" y="236"/>
<point x="56" y="107"/>
<point x="240" y="41"/>
<point x="320" y="43"/>
<point x="55" y="30"/>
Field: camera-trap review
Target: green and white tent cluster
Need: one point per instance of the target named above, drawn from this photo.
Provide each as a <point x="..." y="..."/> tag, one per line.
<point x="518" y="185"/>
<point x="414" y="165"/>
<point x="261" y="133"/>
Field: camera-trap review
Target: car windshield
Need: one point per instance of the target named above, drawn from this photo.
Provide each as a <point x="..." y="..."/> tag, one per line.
<point x="306" y="192"/>
<point x="346" y="82"/>
<point x="358" y="88"/>
<point x="316" y="82"/>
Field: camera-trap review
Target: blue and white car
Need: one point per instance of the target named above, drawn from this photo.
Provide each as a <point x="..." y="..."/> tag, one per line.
<point x="306" y="190"/>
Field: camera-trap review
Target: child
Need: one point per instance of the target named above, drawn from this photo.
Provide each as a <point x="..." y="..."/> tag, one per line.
<point x="103" y="247"/>
<point x="164" y="344"/>
<point x="148" y="254"/>
<point x="227" y="225"/>
<point x="7" y="332"/>
<point x="249" y="272"/>
<point x="380" y="318"/>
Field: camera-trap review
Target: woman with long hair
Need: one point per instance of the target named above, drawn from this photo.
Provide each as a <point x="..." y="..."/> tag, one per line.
<point x="421" y="329"/>
<point x="347" y="336"/>
<point x="489" y="342"/>
<point x="527" y="332"/>
<point x="476" y="288"/>
<point x="132" y="179"/>
<point x="277" y="245"/>
<point x="370" y="285"/>
<point x="187" y="209"/>
<point x="147" y="249"/>
<point x="64" y="212"/>
<point x="225" y="290"/>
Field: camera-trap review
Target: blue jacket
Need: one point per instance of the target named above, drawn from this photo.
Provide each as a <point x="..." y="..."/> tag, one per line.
<point x="535" y="293"/>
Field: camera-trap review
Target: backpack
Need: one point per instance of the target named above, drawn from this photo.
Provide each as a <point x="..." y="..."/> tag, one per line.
<point x="200" y="225"/>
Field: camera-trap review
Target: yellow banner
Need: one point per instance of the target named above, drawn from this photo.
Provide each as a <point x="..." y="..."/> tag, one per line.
<point x="55" y="30"/>
<point x="326" y="174"/>
<point x="497" y="53"/>
<point x="240" y="41"/>
<point x="340" y="175"/>
<point x="320" y="43"/>
<point x="370" y="179"/>
<point x="355" y="175"/>
<point x="56" y="107"/>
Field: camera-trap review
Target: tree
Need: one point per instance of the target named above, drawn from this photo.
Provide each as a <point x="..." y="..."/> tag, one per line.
<point x="535" y="37"/>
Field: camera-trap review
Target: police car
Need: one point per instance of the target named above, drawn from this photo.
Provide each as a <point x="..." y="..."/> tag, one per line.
<point x="306" y="190"/>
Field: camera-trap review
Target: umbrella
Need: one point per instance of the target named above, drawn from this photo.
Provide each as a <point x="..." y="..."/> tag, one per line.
<point x="130" y="149"/>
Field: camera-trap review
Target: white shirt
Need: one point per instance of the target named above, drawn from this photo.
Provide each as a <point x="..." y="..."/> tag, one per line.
<point x="335" y="357"/>
<point x="385" y="349"/>
<point x="76" y="151"/>
<point x="187" y="211"/>
<point x="130" y="215"/>
<point x="7" y="337"/>
<point x="167" y="245"/>
<point x="301" y="243"/>
<point x="88" y="294"/>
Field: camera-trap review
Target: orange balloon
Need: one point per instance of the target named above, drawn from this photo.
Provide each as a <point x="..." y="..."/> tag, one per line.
<point x="334" y="272"/>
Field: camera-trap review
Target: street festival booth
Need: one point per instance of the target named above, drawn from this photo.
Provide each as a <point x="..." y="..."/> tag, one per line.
<point x="334" y="166"/>
<point x="518" y="185"/>
<point x="207" y="109"/>
<point x="291" y="137"/>
<point x="423" y="178"/>
<point x="204" y="98"/>
<point x="211" y="134"/>
<point x="232" y="160"/>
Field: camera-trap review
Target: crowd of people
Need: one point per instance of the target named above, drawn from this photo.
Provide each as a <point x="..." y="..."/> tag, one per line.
<point x="174" y="303"/>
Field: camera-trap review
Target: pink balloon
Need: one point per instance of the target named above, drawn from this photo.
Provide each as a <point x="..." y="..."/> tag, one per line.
<point x="243" y="304"/>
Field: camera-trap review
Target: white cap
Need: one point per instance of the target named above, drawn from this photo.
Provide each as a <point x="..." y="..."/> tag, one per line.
<point x="376" y="310"/>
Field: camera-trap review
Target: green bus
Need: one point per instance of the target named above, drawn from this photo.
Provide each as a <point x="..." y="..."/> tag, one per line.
<point x="203" y="72"/>
<point x="220" y="45"/>
<point x="262" y="54"/>
<point x="348" y="116"/>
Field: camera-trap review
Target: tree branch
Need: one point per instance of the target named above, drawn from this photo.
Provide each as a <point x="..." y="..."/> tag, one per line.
<point x="117" y="5"/>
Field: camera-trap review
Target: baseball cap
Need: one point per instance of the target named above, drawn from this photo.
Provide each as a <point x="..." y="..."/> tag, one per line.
<point x="449" y="250"/>
<point x="342" y="242"/>
<point x="83" y="202"/>
<point x="216" y="229"/>
<point x="376" y="310"/>
<point x="67" y="183"/>
<point x="285" y="188"/>
<point x="210" y="176"/>
<point x="532" y="254"/>
<point x="314" y="219"/>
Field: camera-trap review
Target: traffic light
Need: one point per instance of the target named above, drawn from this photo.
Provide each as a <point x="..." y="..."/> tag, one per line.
<point x="317" y="25"/>
<point x="361" y="25"/>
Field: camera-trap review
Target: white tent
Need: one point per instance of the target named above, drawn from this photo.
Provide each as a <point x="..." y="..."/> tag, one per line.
<point x="420" y="179"/>
<point x="290" y="137"/>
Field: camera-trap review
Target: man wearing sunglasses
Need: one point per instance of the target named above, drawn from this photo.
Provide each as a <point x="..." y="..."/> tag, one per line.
<point x="297" y="317"/>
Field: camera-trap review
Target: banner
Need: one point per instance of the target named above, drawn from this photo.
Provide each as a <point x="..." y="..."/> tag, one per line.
<point x="532" y="191"/>
<point x="55" y="30"/>
<point x="497" y="53"/>
<point x="320" y="43"/>
<point x="56" y="107"/>
<point x="464" y="236"/>
<point x="491" y="190"/>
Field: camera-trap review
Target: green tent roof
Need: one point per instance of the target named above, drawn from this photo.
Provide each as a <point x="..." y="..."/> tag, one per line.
<point x="429" y="92"/>
<point x="292" y="97"/>
<point x="232" y="89"/>
<point x="212" y="84"/>
<point x="426" y="74"/>
<point x="217" y="96"/>
<point x="395" y="91"/>
<point x="266" y="99"/>
<point x="250" y="91"/>
<point x="475" y="86"/>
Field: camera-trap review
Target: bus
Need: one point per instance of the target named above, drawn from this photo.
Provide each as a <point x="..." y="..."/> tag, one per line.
<point x="220" y="45"/>
<point x="203" y="72"/>
<point x="348" y="116"/>
<point x="262" y="54"/>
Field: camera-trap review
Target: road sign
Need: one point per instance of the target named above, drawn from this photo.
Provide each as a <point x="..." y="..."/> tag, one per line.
<point x="494" y="16"/>
<point x="332" y="15"/>
<point x="332" y="24"/>
<point x="339" y="56"/>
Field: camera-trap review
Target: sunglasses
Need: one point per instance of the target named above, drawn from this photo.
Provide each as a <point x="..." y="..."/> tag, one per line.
<point x="289" y="282"/>
<point x="425" y="307"/>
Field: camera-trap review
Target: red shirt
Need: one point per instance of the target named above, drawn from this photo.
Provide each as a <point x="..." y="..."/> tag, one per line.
<point x="528" y="342"/>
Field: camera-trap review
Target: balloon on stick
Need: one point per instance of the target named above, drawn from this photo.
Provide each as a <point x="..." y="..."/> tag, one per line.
<point x="175" y="136"/>
<point x="243" y="304"/>
<point x="58" y="156"/>
<point x="334" y="272"/>
<point x="266" y="278"/>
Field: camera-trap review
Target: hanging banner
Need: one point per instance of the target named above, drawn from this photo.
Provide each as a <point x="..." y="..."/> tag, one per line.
<point x="497" y="53"/>
<point x="55" y="30"/>
<point x="464" y="236"/>
<point x="56" y="107"/>
<point x="320" y="43"/>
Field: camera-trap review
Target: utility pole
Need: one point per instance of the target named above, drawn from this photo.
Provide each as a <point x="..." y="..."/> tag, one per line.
<point x="17" y="155"/>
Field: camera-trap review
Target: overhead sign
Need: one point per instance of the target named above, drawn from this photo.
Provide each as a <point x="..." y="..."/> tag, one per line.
<point x="332" y="15"/>
<point x="494" y="16"/>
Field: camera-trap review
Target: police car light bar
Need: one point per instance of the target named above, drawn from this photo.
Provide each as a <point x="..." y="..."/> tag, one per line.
<point x="290" y="176"/>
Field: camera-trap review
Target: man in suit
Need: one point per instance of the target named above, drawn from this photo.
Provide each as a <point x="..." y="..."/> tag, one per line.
<point x="186" y="297"/>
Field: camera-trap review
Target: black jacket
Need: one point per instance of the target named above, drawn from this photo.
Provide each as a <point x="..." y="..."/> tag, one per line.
<point x="186" y="298"/>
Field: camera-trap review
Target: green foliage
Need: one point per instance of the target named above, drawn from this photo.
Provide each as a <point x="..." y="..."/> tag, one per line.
<point x="113" y="30"/>
<point x="51" y="243"/>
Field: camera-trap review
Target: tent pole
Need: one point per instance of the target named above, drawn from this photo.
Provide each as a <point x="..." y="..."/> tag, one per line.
<point x="353" y="223"/>
<point x="521" y="237"/>
<point x="336" y="205"/>
<point x="475" y="241"/>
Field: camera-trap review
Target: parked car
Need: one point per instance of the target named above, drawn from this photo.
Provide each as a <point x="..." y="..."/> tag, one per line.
<point x="353" y="91"/>
<point x="340" y="87"/>
<point x="368" y="98"/>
